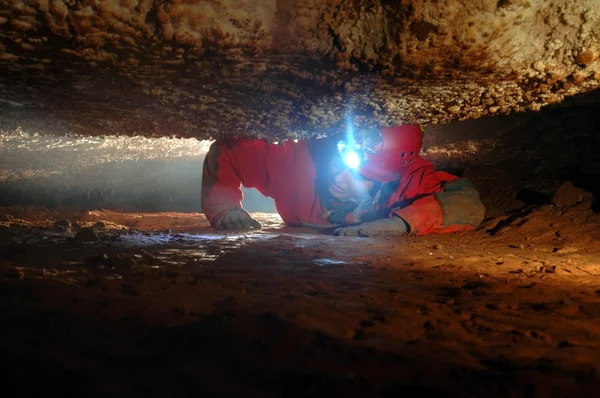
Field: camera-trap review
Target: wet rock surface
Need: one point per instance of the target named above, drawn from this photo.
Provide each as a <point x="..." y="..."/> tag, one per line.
<point x="208" y="313"/>
<point x="285" y="69"/>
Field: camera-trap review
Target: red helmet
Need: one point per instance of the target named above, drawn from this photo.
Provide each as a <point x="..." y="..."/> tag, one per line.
<point x="393" y="154"/>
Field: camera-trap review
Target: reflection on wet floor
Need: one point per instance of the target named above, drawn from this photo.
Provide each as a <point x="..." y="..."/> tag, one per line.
<point x="328" y="261"/>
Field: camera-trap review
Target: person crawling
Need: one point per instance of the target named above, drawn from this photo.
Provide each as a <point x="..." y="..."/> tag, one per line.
<point x="374" y="183"/>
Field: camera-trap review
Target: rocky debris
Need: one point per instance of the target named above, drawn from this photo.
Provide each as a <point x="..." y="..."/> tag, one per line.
<point x="99" y="225"/>
<point x="63" y="224"/>
<point x="5" y="218"/>
<point x="87" y="235"/>
<point x="569" y="195"/>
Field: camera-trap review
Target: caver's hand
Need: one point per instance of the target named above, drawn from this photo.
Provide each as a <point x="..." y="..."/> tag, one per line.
<point x="394" y="226"/>
<point x="236" y="219"/>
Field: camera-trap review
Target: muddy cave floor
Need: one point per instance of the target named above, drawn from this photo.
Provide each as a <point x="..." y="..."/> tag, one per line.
<point x="104" y="303"/>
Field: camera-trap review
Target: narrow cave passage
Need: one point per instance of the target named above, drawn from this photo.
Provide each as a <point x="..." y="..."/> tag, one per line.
<point x="112" y="282"/>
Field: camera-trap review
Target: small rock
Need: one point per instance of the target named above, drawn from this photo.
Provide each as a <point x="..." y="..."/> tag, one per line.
<point x="438" y="247"/>
<point x="493" y="223"/>
<point x="99" y="225"/>
<point x="66" y="224"/>
<point x="5" y="218"/>
<point x="569" y="195"/>
<point x="87" y="235"/>
<point x="551" y="269"/>
<point x="566" y="250"/>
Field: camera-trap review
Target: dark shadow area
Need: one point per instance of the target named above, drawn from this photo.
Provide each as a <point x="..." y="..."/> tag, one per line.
<point x="531" y="197"/>
<point x="231" y="351"/>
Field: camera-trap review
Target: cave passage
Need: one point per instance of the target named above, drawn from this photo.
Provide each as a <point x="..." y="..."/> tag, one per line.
<point x="112" y="283"/>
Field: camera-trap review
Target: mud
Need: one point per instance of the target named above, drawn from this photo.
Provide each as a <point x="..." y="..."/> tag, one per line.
<point x="162" y="305"/>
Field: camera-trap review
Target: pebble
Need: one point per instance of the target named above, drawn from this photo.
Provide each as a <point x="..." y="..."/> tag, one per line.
<point x="87" y="235"/>
<point x="566" y="250"/>
<point x="438" y="247"/>
<point x="551" y="269"/>
<point x="63" y="223"/>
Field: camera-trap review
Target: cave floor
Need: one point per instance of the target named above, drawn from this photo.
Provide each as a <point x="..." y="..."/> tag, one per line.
<point x="161" y="305"/>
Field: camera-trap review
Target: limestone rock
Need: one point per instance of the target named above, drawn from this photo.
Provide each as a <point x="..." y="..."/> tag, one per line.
<point x="87" y="235"/>
<point x="283" y="70"/>
<point x="569" y="195"/>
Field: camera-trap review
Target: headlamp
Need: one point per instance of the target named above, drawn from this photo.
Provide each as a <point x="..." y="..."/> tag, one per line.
<point x="354" y="152"/>
<point x="352" y="159"/>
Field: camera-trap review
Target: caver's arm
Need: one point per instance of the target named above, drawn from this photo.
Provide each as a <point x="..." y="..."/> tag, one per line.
<point x="233" y="162"/>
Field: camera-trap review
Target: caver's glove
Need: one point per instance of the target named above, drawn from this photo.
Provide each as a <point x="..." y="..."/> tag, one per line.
<point x="394" y="226"/>
<point x="236" y="219"/>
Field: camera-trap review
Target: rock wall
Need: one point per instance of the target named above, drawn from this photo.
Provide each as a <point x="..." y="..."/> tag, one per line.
<point x="284" y="68"/>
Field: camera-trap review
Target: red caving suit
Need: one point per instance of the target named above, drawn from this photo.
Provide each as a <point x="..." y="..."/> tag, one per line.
<point x="429" y="201"/>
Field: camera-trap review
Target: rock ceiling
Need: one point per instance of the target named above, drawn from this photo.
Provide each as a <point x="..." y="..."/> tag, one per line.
<point x="285" y="68"/>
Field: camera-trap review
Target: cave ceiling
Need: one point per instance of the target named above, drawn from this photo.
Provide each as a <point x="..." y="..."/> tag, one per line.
<point x="282" y="69"/>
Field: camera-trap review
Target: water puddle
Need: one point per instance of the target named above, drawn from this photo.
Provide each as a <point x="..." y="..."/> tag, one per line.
<point x="328" y="261"/>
